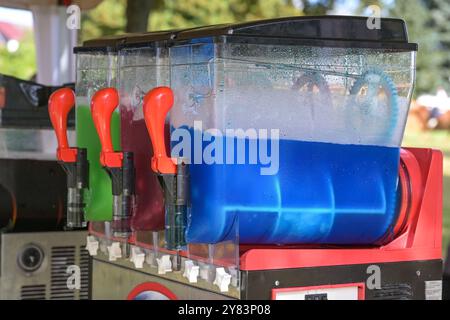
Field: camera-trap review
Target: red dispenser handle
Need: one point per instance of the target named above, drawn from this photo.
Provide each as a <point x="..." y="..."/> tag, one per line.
<point x="157" y="103"/>
<point x="103" y="104"/>
<point x="59" y="105"/>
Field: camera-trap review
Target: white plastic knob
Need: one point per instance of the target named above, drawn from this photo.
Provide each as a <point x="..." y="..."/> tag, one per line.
<point x="114" y="251"/>
<point x="103" y="246"/>
<point x="164" y="264"/>
<point x="191" y="271"/>
<point x="137" y="256"/>
<point x="92" y="245"/>
<point x="204" y="271"/>
<point x="234" y="276"/>
<point x="150" y="258"/>
<point x="222" y="279"/>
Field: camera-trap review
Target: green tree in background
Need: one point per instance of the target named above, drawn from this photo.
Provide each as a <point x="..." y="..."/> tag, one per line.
<point x="427" y="20"/>
<point x="137" y="14"/>
<point x="318" y="7"/>
<point x="22" y="63"/>
<point x="183" y="14"/>
<point x="440" y="24"/>
<point x="108" y="18"/>
<point x="429" y="60"/>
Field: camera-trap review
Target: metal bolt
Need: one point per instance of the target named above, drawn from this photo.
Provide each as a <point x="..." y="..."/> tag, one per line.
<point x="277" y="283"/>
<point x="418" y="273"/>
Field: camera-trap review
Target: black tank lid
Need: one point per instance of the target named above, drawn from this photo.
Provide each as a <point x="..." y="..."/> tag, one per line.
<point x="111" y="44"/>
<point x="327" y="31"/>
<point x="107" y="44"/>
<point x="158" y="37"/>
<point x="149" y="38"/>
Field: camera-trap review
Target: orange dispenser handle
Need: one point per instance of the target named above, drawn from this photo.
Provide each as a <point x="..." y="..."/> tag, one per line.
<point x="103" y="104"/>
<point x="59" y="105"/>
<point x="157" y="103"/>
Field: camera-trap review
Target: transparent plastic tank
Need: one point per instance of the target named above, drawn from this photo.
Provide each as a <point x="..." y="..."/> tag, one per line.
<point x="96" y="69"/>
<point x="143" y="65"/>
<point x="294" y="128"/>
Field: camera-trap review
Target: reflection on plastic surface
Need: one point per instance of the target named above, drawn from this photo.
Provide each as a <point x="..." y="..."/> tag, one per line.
<point x="151" y="295"/>
<point x="141" y="69"/>
<point x="32" y="144"/>
<point x="95" y="71"/>
<point x="340" y="113"/>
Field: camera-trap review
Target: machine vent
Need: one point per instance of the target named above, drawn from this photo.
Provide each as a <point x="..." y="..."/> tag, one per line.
<point x="36" y="292"/>
<point x="394" y="292"/>
<point x="62" y="257"/>
<point x="85" y="266"/>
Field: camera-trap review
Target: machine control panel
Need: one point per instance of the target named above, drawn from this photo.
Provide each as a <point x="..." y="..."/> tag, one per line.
<point x="344" y="291"/>
<point x="30" y="258"/>
<point x="317" y="296"/>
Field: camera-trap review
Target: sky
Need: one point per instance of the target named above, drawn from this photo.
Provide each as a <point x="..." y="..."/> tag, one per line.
<point x="345" y="7"/>
<point x="19" y="17"/>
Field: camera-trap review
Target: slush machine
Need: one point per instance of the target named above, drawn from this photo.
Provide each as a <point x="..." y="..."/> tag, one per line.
<point x="267" y="164"/>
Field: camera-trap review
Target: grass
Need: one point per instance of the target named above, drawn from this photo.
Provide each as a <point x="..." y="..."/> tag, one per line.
<point x="437" y="140"/>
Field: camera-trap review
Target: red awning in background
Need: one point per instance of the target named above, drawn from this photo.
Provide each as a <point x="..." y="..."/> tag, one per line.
<point x="10" y="31"/>
<point x="25" y="4"/>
